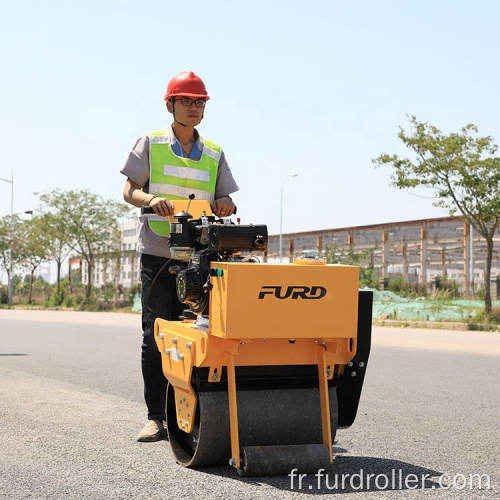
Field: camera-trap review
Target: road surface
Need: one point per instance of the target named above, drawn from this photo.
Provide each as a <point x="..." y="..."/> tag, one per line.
<point x="71" y="406"/>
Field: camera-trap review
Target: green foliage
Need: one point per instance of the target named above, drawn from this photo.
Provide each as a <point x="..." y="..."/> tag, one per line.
<point x="477" y="327"/>
<point x="446" y="288"/>
<point x="56" y="239"/>
<point x="11" y="248"/>
<point x="57" y="297"/>
<point x="459" y="169"/>
<point x="77" y="221"/>
<point x="131" y="295"/>
<point x="87" y="304"/>
<point x="482" y="317"/>
<point x="455" y="166"/>
<point x="75" y="279"/>
<point x="109" y="293"/>
<point x="90" y="224"/>
<point x="408" y="289"/>
<point x="4" y="296"/>
<point x="68" y="301"/>
<point x="367" y="277"/>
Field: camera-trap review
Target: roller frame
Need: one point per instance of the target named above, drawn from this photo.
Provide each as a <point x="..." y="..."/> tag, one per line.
<point x="182" y="348"/>
<point x="199" y="354"/>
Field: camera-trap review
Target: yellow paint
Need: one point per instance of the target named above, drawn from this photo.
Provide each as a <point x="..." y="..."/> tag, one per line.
<point x="245" y="330"/>
<point x="236" y="311"/>
<point x="233" y="411"/>
<point x="197" y="208"/>
<point x="325" y="403"/>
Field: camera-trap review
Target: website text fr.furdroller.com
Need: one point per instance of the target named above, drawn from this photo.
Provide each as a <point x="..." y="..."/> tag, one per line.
<point x="396" y="480"/>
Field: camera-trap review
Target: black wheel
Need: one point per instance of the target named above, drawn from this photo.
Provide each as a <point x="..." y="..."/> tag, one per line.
<point x="267" y="417"/>
<point x="209" y="442"/>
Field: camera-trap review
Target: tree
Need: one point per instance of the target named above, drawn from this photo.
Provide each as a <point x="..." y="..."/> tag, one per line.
<point x="11" y="254"/>
<point x="462" y="172"/>
<point x="367" y="277"/>
<point x="90" y="223"/>
<point x="32" y="246"/>
<point x="56" y="240"/>
<point x="5" y="243"/>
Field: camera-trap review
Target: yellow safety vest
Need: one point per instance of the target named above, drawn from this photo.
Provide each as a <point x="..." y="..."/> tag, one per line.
<point x="175" y="178"/>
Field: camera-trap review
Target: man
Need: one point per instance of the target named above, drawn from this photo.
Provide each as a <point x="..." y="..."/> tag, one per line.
<point x="165" y="166"/>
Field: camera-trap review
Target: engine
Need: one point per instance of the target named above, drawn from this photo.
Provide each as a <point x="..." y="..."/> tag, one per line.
<point x="198" y="243"/>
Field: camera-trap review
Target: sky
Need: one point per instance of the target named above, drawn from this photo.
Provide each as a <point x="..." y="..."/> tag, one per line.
<point x="316" y="88"/>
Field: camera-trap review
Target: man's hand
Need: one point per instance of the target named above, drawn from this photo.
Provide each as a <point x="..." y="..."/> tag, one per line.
<point x="223" y="207"/>
<point x="133" y="194"/>
<point x="162" y="206"/>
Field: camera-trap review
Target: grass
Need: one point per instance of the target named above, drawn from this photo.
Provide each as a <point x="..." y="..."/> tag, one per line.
<point x="483" y="321"/>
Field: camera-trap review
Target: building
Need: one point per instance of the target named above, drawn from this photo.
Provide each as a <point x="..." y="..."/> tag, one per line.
<point x="130" y="265"/>
<point x="121" y="270"/>
<point x="420" y="250"/>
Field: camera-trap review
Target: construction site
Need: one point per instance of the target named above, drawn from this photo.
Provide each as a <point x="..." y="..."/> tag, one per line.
<point x="421" y="251"/>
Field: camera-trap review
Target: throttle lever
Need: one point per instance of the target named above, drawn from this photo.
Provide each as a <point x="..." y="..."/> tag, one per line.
<point x="191" y="198"/>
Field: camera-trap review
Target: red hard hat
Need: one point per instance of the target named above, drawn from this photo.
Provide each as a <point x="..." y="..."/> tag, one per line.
<point x="187" y="84"/>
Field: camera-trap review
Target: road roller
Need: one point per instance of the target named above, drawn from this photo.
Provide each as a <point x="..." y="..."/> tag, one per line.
<point x="268" y="359"/>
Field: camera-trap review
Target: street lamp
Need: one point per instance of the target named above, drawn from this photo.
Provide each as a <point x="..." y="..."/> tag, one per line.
<point x="281" y="215"/>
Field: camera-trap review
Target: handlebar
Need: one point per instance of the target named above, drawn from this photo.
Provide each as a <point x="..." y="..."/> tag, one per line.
<point x="150" y="211"/>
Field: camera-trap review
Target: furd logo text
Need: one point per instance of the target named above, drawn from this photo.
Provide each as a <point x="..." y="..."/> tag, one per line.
<point x="292" y="292"/>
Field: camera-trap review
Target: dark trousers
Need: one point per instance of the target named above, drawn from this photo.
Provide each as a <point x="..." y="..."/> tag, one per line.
<point x="162" y="303"/>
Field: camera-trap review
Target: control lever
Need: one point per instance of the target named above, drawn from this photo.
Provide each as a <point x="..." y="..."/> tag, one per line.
<point x="191" y="198"/>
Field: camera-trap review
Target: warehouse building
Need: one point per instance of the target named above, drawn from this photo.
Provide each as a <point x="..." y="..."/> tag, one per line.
<point x="420" y="250"/>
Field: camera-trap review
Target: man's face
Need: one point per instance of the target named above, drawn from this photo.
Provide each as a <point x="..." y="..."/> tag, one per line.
<point x="187" y="111"/>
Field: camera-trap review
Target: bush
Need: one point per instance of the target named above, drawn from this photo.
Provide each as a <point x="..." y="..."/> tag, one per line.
<point x="57" y="298"/>
<point x="447" y="289"/>
<point x="403" y="288"/>
<point x="367" y="276"/>
<point x="444" y="295"/>
<point x="68" y="301"/>
<point x="398" y="285"/>
<point x="492" y="318"/>
<point x="85" y="304"/>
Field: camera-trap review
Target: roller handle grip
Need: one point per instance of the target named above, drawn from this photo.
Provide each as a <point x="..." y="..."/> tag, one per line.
<point x="149" y="210"/>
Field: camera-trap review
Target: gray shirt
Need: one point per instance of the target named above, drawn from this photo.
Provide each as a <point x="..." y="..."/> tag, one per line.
<point x="136" y="168"/>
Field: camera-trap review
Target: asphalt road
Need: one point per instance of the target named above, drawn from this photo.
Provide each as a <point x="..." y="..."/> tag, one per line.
<point x="71" y="406"/>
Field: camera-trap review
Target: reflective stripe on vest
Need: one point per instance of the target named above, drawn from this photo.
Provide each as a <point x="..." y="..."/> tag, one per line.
<point x="175" y="178"/>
